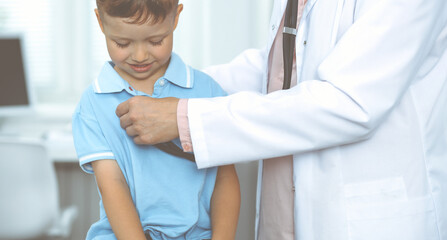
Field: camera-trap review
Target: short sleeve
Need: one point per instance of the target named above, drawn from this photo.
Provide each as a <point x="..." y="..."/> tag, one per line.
<point x="217" y="90"/>
<point x="210" y="87"/>
<point x="89" y="140"/>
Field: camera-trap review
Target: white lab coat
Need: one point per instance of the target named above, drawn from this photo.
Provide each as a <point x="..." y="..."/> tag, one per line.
<point x="367" y="123"/>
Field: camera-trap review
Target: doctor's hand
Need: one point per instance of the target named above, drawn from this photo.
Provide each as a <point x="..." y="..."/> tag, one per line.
<point x="149" y="120"/>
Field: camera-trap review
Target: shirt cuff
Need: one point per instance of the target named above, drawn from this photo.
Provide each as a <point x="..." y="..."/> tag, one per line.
<point x="183" y="125"/>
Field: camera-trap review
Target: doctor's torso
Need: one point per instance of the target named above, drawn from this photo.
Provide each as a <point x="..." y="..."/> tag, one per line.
<point x="384" y="184"/>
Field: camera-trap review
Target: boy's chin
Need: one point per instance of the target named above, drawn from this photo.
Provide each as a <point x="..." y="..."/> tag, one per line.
<point x="141" y="76"/>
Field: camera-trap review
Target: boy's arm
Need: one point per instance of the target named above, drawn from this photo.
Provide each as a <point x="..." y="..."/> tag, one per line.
<point x="225" y="204"/>
<point x="117" y="200"/>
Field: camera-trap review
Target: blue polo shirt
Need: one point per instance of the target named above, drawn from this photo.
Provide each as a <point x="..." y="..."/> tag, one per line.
<point x="171" y="195"/>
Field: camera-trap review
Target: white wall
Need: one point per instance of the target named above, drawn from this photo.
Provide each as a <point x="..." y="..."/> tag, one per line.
<point x="213" y="32"/>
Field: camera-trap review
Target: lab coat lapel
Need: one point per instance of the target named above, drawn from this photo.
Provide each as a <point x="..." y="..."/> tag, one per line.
<point x="309" y="5"/>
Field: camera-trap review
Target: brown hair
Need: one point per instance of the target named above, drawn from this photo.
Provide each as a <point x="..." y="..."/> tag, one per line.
<point x="140" y="11"/>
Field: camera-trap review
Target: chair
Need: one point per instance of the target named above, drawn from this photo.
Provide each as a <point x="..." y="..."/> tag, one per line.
<point x="29" y="195"/>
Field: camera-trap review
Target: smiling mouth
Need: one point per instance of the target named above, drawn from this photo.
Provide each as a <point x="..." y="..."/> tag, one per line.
<point x="141" y="67"/>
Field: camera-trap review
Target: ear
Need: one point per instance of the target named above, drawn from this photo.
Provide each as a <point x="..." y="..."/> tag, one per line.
<point x="177" y="14"/>
<point x="98" y="17"/>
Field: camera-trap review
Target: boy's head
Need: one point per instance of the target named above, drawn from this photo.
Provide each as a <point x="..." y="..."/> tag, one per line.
<point x="139" y="35"/>
<point x="138" y="11"/>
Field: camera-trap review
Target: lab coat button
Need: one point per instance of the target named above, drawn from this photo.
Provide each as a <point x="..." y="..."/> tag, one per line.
<point x="273" y="27"/>
<point x="304" y="43"/>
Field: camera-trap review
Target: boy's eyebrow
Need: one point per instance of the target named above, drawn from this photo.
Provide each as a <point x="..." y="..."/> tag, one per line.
<point x="119" y="38"/>
<point x="128" y="39"/>
<point x="160" y="35"/>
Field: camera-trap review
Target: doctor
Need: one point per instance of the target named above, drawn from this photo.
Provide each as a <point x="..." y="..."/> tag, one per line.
<point x="366" y="123"/>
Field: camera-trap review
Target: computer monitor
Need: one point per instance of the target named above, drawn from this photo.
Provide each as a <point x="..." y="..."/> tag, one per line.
<point x="15" y="97"/>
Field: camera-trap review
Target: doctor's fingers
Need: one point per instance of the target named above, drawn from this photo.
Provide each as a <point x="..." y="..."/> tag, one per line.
<point x="132" y="131"/>
<point x="139" y="140"/>
<point x="140" y="135"/>
<point x="123" y="108"/>
<point x="126" y="121"/>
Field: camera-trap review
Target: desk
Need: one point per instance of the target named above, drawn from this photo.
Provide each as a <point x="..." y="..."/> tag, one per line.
<point x="60" y="146"/>
<point x="49" y="124"/>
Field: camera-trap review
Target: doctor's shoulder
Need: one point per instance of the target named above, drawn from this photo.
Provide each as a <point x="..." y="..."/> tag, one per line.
<point x="206" y="84"/>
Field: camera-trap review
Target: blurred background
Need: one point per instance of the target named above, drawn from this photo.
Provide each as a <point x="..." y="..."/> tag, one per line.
<point x="62" y="52"/>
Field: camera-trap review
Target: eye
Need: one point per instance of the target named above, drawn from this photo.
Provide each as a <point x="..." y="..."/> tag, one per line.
<point x="157" y="43"/>
<point x="121" y="45"/>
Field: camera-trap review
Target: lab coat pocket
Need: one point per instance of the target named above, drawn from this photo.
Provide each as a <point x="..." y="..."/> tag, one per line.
<point x="381" y="210"/>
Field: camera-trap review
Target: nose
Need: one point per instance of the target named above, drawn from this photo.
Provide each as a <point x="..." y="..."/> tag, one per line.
<point x="140" y="53"/>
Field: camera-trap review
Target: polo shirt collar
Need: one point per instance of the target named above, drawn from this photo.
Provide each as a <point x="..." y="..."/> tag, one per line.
<point x="109" y="81"/>
<point x="179" y="73"/>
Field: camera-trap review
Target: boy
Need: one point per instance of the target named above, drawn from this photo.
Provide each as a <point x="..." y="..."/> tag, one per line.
<point x="141" y="196"/>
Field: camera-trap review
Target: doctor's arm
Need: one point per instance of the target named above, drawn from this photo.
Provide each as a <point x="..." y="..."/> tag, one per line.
<point x="357" y="86"/>
<point x="117" y="200"/>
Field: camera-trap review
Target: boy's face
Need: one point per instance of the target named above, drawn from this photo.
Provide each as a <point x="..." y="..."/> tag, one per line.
<point x="140" y="52"/>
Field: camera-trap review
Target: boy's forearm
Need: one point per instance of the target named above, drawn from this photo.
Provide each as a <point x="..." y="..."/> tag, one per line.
<point x="118" y="204"/>
<point x="122" y="214"/>
<point x="225" y="204"/>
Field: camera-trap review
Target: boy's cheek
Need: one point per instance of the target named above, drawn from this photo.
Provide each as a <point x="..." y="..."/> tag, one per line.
<point x="117" y="55"/>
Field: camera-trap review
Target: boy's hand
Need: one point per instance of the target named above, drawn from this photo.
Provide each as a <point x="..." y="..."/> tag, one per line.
<point x="149" y="120"/>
